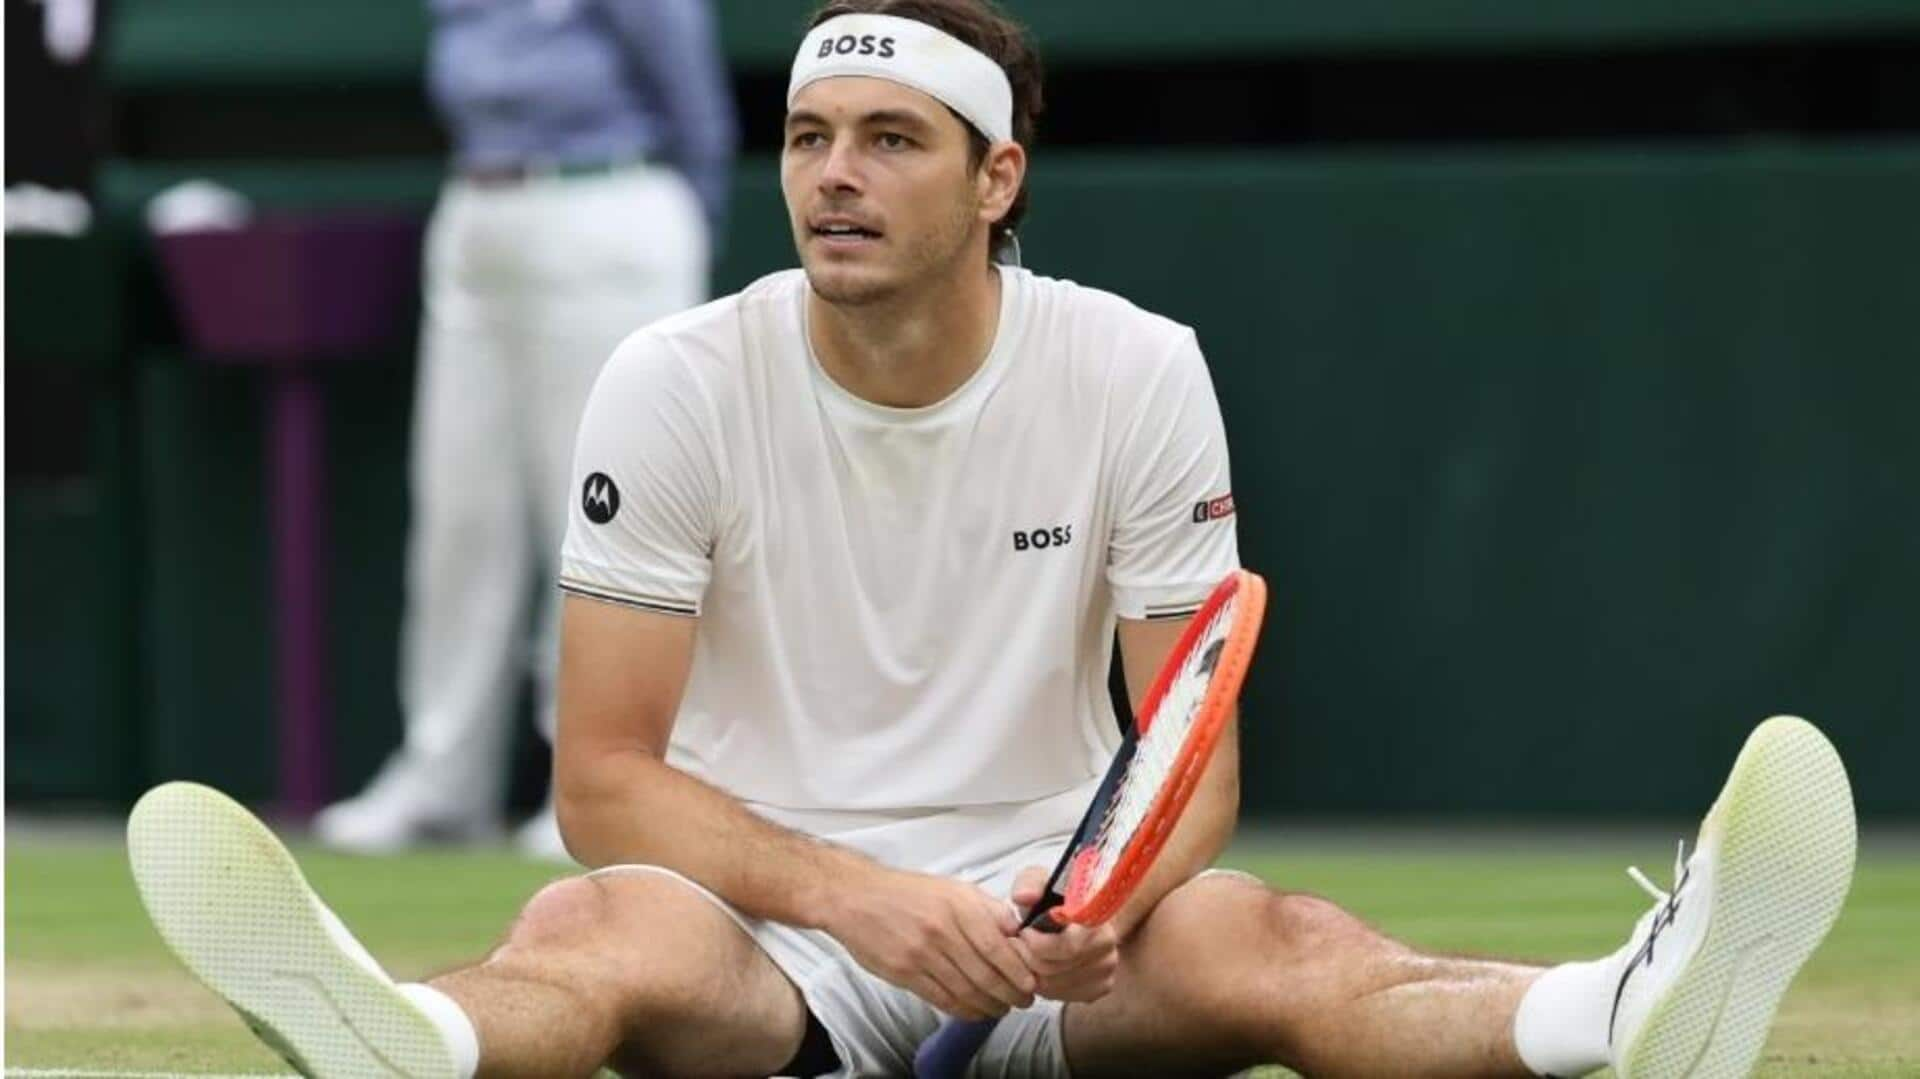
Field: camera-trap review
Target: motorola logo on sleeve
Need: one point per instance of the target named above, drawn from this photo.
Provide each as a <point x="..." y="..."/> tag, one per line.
<point x="600" y="499"/>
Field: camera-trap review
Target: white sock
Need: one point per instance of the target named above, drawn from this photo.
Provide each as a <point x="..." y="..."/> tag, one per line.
<point x="462" y="1041"/>
<point x="1560" y="1028"/>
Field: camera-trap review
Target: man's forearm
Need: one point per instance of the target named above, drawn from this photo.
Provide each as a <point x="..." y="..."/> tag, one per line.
<point x="1203" y="832"/>
<point x="634" y="808"/>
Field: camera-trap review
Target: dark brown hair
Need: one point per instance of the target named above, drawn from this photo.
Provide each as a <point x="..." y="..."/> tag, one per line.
<point x="985" y="27"/>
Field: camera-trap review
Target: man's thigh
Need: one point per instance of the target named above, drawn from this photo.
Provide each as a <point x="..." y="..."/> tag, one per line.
<point x="1211" y="982"/>
<point x="699" y="996"/>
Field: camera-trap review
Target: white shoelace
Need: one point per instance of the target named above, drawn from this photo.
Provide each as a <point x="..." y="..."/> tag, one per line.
<point x="1679" y="869"/>
<point x="1666" y="908"/>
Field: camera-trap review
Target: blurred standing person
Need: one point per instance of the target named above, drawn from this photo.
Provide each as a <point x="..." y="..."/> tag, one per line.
<point x="593" y="141"/>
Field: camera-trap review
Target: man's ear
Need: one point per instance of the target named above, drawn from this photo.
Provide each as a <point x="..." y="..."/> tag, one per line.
<point x="1001" y="174"/>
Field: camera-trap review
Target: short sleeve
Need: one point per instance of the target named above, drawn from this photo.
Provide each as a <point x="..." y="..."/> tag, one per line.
<point x="646" y="485"/>
<point x="1173" y="537"/>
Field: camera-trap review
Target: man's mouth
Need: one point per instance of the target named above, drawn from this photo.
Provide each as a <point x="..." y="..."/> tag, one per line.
<point x="843" y="232"/>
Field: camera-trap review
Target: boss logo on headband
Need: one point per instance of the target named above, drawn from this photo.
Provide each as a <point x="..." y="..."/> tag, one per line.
<point x="862" y="44"/>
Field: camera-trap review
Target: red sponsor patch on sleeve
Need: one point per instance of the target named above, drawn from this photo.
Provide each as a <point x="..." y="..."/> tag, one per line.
<point x="1213" y="509"/>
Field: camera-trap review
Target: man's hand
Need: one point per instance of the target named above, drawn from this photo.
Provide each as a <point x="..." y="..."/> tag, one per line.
<point x="947" y="942"/>
<point x="1079" y="962"/>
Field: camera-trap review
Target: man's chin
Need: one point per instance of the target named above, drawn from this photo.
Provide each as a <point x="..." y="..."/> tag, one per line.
<point x="849" y="285"/>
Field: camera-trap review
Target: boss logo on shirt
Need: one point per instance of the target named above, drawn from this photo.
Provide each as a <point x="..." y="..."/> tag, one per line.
<point x="599" y="498"/>
<point x="863" y="44"/>
<point x="1213" y="509"/>
<point x="1040" y="539"/>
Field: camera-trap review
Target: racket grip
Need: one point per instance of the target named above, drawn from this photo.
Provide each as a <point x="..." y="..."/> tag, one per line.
<point x="952" y="1047"/>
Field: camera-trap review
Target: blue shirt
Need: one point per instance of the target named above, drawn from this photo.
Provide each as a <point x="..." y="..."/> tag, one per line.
<point x="583" y="82"/>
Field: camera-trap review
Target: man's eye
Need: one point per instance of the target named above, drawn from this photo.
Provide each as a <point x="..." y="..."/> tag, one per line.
<point x="807" y="140"/>
<point x="893" y="140"/>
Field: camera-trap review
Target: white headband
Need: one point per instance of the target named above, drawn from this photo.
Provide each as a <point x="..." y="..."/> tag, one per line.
<point x="911" y="53"/>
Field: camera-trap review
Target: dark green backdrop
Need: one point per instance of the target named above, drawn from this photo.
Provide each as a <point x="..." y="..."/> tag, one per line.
<point x="1566" y="464"/>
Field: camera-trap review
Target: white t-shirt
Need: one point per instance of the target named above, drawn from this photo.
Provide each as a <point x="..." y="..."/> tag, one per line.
<point x="906" y="615"/>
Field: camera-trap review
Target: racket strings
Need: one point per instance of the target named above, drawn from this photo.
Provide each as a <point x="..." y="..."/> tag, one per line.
<point x="1160" y="744"/>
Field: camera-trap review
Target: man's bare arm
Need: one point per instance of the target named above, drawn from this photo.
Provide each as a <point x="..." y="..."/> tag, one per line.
<point x="622" y="674"/>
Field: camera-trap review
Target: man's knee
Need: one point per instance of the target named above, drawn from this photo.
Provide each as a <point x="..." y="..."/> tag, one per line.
<point x="619" y="911"/>
<point x="563" y="913"/>
<point x="650" y="941"/>
<point x="615" y="932"/>
<point x="1267" y="965"/>
<point x="1262" y="924"/>
<point x="1307" y="929"/>
<point x="667" y="972"/>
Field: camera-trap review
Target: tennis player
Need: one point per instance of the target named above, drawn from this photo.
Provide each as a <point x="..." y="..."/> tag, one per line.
<point x="844" y="573"/>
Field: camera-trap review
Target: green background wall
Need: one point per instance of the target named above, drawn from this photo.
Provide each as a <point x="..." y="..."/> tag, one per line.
<point x="1567" y="463"/>
<point x="171" y="44"/>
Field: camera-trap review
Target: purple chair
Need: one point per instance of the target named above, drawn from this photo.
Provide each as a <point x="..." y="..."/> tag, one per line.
<point x="295" y="293"/>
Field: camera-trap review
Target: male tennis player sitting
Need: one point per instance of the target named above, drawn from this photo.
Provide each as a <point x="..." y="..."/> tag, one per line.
<point x="848" y="558"/>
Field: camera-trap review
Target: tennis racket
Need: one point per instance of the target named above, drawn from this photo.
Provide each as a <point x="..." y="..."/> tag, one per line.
<point x="1149" y="783"/>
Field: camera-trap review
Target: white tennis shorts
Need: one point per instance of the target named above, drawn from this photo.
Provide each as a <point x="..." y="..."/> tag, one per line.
<point x="876" y="1026"/>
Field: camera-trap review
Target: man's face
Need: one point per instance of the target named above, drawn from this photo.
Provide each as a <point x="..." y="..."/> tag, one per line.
<point x="878" y="186"/>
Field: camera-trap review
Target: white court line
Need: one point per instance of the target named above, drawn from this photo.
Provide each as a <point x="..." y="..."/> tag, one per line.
<point x="83" y="1073"/>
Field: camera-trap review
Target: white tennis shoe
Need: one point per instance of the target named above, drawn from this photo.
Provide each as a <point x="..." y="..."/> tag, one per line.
<point x="229" y="900"/>
<point x="1707" y="966"/>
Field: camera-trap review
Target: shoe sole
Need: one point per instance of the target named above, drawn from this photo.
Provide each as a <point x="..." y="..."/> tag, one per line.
<point x="229" y="900"/>
<point x="1785" y="830"/>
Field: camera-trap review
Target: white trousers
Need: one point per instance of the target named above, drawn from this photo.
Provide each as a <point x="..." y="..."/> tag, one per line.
<point x="528" y="289"/>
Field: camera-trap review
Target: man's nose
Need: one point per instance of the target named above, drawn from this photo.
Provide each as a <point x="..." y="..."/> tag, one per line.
<point x="841" y="170"/>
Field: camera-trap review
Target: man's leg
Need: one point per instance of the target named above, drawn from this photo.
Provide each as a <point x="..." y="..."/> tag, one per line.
<point x="1226" y="972"/>
<point x="638" y="968"/>
<point x="467" y="561"/>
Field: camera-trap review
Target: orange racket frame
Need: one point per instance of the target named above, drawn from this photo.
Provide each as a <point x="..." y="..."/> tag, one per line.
<point x="1223" y="691"/>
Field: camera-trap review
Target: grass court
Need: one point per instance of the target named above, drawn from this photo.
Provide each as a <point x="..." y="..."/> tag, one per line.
<point x="90" y="990"/>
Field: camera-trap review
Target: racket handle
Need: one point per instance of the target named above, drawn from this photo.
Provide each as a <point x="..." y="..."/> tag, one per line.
<point x="952" y="1047"/>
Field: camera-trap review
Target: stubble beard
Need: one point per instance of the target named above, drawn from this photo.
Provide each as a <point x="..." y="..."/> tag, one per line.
<point x="930" y="257"/>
